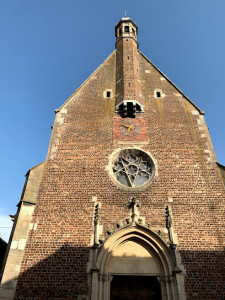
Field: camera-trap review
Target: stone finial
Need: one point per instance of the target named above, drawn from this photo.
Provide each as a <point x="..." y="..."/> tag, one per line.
<point x="96" y="214"/>
<point x="168" y="217"/>
<point x="96" y="224"/>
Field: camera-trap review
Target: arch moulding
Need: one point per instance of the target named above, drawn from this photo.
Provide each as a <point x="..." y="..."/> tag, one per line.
<point x="136" y="250"/>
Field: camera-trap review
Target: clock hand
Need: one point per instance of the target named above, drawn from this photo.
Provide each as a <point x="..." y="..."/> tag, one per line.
<point x="127" y="126"/>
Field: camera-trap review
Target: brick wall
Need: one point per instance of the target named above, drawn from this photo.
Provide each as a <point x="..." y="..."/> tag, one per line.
<point x="86" y="132"/>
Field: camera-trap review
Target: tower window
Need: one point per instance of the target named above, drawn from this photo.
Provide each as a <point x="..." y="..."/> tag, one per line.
<point x="120" y="32"/>
<point x="126" y="29"/>
<point x="133" y="31"/>
<point x="108" y="94"/>
<point x="158" y="93"/>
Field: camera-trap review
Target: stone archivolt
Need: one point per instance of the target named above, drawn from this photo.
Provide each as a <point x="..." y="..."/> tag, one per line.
<point x="136" y="250"/>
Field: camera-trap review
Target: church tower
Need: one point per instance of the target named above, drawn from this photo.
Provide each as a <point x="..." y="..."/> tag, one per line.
<point x="129" y="203"/>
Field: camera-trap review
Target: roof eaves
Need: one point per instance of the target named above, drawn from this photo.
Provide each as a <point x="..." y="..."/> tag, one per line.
<point x="154" y="66"/>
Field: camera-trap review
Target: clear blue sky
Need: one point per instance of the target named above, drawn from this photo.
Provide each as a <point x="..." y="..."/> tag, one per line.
<point x="49" y="47"/>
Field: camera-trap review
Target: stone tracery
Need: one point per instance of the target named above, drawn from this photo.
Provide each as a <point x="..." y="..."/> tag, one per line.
<point x="133" y="168"/>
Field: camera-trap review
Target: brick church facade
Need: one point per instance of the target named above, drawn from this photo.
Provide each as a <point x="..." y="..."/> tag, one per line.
<point x="129" y="203"/>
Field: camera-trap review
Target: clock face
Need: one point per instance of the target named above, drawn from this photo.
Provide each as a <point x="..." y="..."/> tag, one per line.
<point x="129" y="128"/>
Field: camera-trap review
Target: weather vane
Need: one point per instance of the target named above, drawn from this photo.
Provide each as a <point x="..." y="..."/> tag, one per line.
<point x="125" y="13"/>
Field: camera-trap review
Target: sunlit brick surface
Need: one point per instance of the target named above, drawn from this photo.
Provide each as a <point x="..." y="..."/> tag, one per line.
<point x="86" y="132"/>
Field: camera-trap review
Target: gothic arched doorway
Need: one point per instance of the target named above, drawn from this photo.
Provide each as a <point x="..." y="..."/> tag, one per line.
<point x="136" y="261"/>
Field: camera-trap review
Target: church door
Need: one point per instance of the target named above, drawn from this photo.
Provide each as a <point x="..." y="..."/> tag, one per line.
<point x="135" y="288"/>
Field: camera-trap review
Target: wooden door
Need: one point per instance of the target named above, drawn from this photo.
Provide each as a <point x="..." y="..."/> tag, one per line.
<point x="135" y="288"/>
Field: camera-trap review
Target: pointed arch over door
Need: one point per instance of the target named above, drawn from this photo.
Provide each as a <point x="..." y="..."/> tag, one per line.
<point x="135" y="250"/>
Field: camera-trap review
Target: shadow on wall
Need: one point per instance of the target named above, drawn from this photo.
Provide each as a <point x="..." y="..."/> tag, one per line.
<point x="63" y="275"/>
<point x="59" y="276"/>
<point x="205" y="274"/>
<point x="3" y="246"/>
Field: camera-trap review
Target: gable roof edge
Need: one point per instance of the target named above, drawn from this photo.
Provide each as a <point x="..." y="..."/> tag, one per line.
<point x="220" y="166"/>
<point x="82" y="85"/>
<point x="34" y="167"/>
<point x="186" y="97"/>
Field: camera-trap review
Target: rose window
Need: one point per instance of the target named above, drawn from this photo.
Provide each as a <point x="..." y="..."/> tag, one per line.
<point x="133" y="168"/>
